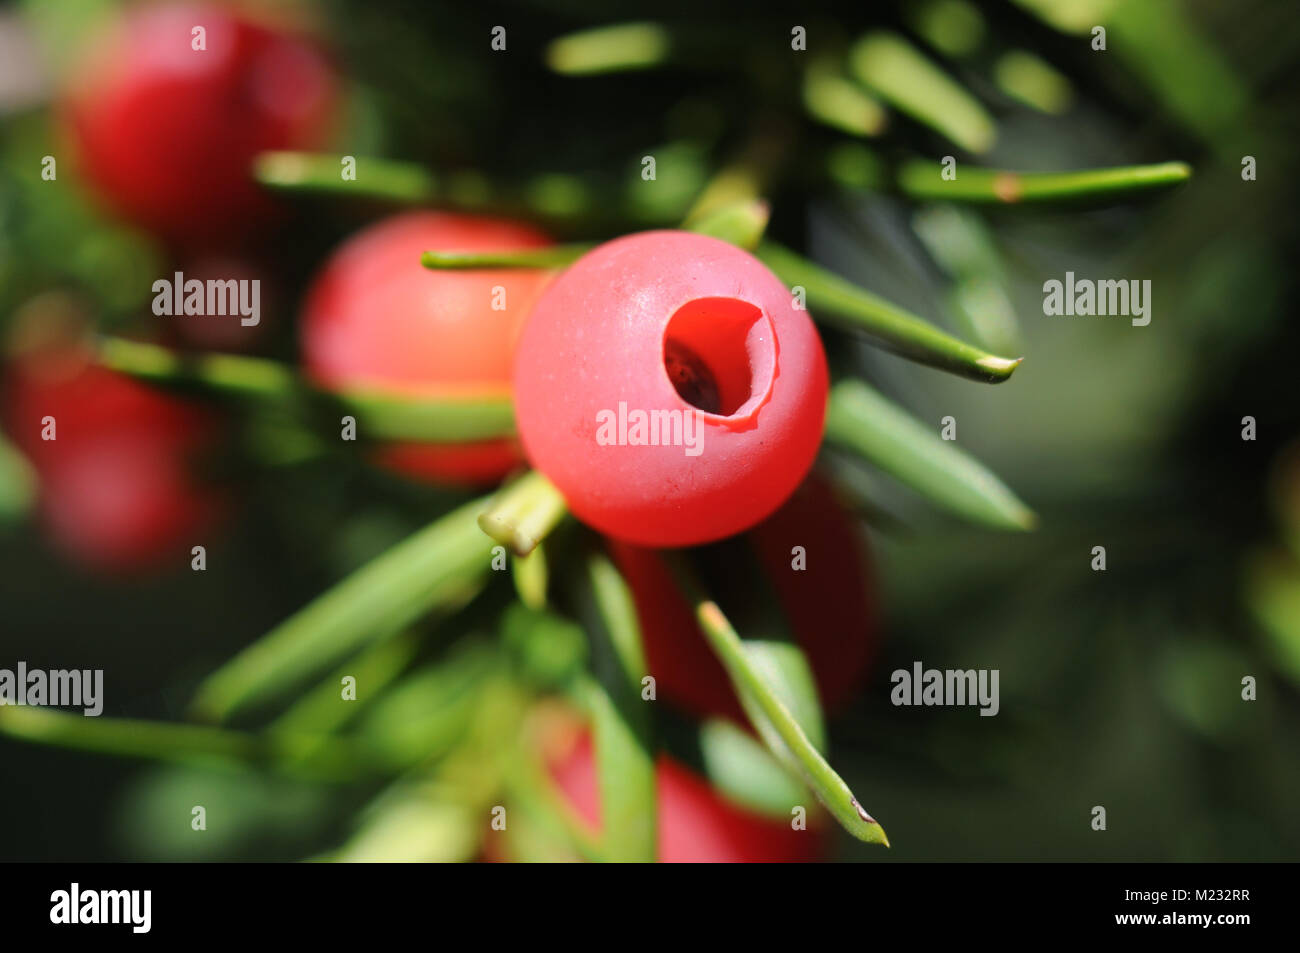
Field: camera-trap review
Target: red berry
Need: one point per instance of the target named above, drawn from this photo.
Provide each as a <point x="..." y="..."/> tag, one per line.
<point x="117" y="491"/>
<point x="828" y="606"/>
<point x="168" y="133"/>
<point x="696" y="825"/>
<point x="375" y="318"/>
<point x="670" y="389"/>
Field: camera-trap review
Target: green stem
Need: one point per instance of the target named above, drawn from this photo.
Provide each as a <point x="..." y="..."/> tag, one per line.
<point x="743" y="180"/>
<point x="414" y="822"/>
<point x="863" y="421"/>
<point x="428" y="712"/>
<point x="434" y="420"/>
<point x="842" y="303"/>
<point x="380" y="416"/>
<point x="404" y="182"/>
<point x="841" y="104"/>
<point x="610" y="49"/>
<point x="442" y="567"/>
<point x="979" y="301"/>
<point x="436" y="812"/>
<point x="531" y="577"/>
<point x="955" y="28"/>
<point x="323" y="710"/>
<point x="769" y="714"/>
<point x="625" y="772"/>
<point x="1033" y="81"/>
<point x="533" y="791"/>
<point x="523" y="513"/>
<point x="617" y="608"/>
<point x="304" y="756"/>
<point x="227" y="374"/>
<point x="902" y="76"/>
<point x="621" y="721"/>
<point x="551" y="256"/>
<point x="923" y="179"/>
<point x="743" y="769"/>
<point x="741" y="223"/>
<point x="1186" y="72"/>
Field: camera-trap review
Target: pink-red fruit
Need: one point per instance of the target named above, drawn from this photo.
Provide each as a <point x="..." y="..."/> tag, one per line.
<point x="375" y="319"/>
<point x="169" y="110"/>
<point x="669" y="387"/>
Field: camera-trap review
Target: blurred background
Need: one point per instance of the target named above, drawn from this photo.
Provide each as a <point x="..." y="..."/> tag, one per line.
<point x="1119" y="688"/>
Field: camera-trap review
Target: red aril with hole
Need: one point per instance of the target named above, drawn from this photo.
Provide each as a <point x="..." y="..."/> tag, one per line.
<point x="670" y="389"/>
<point x="375" y="319"/>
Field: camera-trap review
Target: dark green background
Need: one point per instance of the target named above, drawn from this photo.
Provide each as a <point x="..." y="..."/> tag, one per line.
<point x="1119" y="689"/>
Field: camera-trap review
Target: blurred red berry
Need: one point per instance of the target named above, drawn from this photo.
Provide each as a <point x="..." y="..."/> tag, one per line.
<point x="828" y="606"/>
<point x="167" y="133"/>
<point x="117" y="491"/>
<point x="696" y="825"/>
<point x="376" y="319"/>
<point x="634" y="340"/>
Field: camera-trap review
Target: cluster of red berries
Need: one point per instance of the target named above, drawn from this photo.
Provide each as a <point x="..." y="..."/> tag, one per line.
<point x="165" y="117"/>
<point x="666" y="382"/>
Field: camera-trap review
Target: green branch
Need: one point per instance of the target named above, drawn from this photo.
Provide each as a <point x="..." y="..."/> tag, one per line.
<point x="393" y="181"/>
<point x="550" y="256"/>
<point x="773" y="719"/>
<point x="741" y="223"/>
<point x="532" y="577"/>
<point x="841" y="104"/>
<point x="323" y="710"/>
<point x="617" y="608"/>
<point x="625" y="773"/>
<point x="621" y="723"/>
<point x="532" y="790"/>
<point x="523" y="513"/>
<point x="836" y="301"/>
<point x="380" y="416"/>
<point x="863" y="421"/>
<point x="609" y="49"/>
<point x="922" y="179"/>
<point x="440" y="567"/>
<point x="307" y="756"/>
<point x="902" y="76"/>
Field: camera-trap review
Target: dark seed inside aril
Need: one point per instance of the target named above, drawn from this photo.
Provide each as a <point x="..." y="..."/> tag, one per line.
<point x="692" y="378"/>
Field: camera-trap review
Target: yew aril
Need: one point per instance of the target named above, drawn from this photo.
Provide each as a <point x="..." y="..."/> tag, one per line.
<point x="670" y="389"/>
<point x="375" y="319"/>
